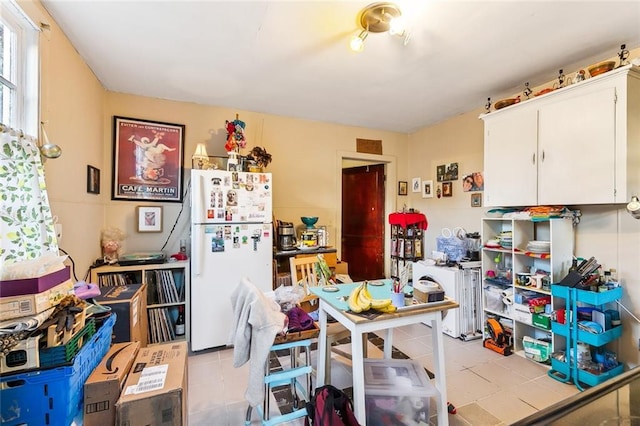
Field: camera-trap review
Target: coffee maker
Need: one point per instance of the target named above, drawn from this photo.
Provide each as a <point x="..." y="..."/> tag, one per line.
<point x="286" y="236"/>
<point x="474" y="245"/>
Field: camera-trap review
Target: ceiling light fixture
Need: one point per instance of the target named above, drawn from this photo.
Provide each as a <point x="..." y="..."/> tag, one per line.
<point x="379" y="18"/>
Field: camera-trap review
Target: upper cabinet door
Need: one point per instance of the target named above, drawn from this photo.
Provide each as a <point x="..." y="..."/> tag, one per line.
<point x="576" y="148"/>
<point x="510" y="157"/>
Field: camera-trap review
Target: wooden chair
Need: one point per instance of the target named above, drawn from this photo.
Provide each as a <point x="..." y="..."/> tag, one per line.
<point x="303" y="270"/>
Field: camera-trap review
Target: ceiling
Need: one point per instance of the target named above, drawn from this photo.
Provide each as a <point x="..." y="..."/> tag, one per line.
<point x="291" y="58"/>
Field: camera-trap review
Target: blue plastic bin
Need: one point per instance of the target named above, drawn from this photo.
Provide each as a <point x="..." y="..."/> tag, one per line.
<point x="53" y="396"/>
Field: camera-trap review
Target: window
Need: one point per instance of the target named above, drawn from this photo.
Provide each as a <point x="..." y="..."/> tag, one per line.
<point x="18" y="69"/>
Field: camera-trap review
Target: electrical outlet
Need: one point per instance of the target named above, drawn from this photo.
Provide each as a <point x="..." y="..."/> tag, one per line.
<point x="58" y="228"/>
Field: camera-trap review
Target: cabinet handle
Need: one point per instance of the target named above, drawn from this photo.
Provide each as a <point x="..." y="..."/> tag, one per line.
<point x="533" y="159"/>
<point x="543" y="155"/>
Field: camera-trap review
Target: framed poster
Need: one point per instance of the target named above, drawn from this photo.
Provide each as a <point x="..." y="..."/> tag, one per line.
<point x="149" y="218"/>
<point x="476" y="200"/>
<point x="147" y="160"/>
<point x="93" y="180"/>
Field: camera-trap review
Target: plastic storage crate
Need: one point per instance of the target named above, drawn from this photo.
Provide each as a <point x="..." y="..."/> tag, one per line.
<point x="59" y="355"/>
<point x="53" y="396"/>
<point x="398" y="389"/>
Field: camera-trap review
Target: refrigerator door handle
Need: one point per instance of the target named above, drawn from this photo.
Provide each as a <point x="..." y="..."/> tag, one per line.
<point x="198" y="191"/>
<point x="198" y="253"/>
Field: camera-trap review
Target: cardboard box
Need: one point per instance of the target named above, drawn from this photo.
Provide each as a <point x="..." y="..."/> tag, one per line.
<point x="32" y="304"/>
<point x="155" y="393"/>
<point x="129" y="302"/>
<point x="521" y="313"/>
<point x="102" y="388"/>
<point x="35" y="285"/>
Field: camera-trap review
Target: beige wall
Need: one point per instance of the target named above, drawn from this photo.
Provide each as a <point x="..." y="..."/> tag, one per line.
<point x="306" y="166"/>
<point x="458" y="140"/>
<point x="304" y="161"/>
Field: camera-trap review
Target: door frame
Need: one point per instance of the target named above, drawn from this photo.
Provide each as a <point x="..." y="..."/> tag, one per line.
<point x="389" y="196"/>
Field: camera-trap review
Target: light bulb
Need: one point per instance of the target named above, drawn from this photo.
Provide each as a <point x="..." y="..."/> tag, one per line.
<point x="634" y="207"/>
<point x="357" y="42"/>
<point x="397" y="26"/>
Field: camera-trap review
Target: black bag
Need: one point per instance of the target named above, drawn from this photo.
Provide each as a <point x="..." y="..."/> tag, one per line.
<point x="330" y="407"/>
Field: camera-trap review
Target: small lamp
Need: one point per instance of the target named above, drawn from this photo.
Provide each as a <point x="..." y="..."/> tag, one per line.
<point x="200" y="158"/>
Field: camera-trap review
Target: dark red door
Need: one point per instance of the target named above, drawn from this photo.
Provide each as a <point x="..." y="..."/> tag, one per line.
<point x="363" y="221"/>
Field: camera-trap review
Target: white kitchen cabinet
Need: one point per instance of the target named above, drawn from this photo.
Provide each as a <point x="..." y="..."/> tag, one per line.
<point x="500" y="265"/>
<point x="574" y="146"/>
<point x="510" y="166"/>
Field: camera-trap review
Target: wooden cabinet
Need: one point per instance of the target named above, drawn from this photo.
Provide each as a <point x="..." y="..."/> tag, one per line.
<point x="577" y="145"/>
<point x="167" y="294"/>
<point x="505" y="297"/>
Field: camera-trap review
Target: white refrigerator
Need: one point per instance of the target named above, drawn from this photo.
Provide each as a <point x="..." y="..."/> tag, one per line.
<point x="231" y="238"/>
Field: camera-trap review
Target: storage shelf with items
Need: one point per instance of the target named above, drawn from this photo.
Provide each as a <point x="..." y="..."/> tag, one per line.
<point x="407" y="245"/>
<point x="586" y="326"/>
<point x="167" y="295"/>
<point x="520" y="260"/>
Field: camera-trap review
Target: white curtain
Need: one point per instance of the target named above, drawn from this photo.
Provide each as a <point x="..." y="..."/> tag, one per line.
<point x="26" y="222"/>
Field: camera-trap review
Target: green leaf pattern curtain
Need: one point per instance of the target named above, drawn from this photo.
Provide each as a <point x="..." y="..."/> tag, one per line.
<point x="26" y="223"/>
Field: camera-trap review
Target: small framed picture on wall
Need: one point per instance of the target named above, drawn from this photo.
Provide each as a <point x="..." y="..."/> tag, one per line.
<point x="447" y="189"/>
<point x="93" y="180"/>
<point x="149" y="218"/>
<point x="402" y="187"/>
<point x="415" y="185"/>
<point x="427" y="189"/>
<point x="476" y="200"/>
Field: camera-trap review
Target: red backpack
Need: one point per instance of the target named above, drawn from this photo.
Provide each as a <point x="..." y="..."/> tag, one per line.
<point x="330" y="407"/>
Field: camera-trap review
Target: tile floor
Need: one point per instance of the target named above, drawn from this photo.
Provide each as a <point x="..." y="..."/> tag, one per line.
<point x="485" y="387"/>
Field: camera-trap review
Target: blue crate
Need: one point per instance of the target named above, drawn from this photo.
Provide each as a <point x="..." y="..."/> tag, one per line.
<point x="53" y="396"/>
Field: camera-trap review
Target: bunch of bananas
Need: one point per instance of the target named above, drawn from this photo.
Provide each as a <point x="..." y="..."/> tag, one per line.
<point x="360" y="300"/>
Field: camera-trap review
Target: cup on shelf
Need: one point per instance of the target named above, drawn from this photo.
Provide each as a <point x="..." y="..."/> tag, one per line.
<point x="536" y="280"/>
<point x="522" y="278"/>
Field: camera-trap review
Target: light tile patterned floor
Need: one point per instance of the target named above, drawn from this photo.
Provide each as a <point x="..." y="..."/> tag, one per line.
<point x="485" y="387"/>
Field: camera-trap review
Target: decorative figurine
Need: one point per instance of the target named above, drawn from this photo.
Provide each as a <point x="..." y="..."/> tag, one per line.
<point x="579" y="76"/>
<point x="487" y="106"/>
<point x="623" y="55"/>
<point x="527" y="91"/>
<point x="561" y="79"/>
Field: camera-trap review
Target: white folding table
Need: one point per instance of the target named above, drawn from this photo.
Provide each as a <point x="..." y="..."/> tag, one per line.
<point x="333" y="303"/>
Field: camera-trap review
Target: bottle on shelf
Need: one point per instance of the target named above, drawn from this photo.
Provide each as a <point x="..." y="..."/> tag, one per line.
<point x="180" y="322"/>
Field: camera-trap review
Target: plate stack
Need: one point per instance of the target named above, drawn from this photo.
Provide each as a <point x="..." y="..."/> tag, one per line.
<point x="539" y="246"/>
<point x="506" y="239"/>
